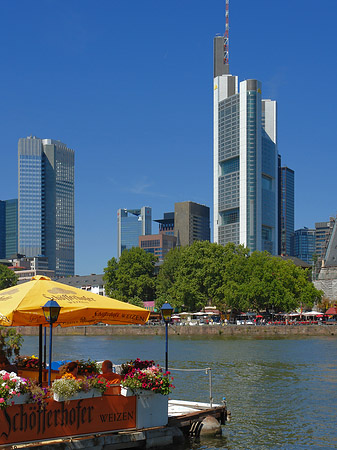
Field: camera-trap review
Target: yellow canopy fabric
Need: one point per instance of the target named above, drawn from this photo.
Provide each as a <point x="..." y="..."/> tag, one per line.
<point x="21" y="305"/>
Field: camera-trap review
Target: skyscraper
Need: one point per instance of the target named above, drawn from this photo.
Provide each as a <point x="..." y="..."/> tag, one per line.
<point x="8" y="228"/>
<point x="46" y="202"/>
<point x="131" y="224"/>
<point x="191" y="223"/>
<point x="245" y="160"/>
<point x="287" y="211"/>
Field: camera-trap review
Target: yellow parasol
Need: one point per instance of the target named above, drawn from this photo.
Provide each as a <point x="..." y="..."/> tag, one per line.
<point x="22" y="305"/>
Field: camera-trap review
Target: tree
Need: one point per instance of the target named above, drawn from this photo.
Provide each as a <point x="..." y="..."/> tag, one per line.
<point x="132" y="276"/>
<point x="193" y="276"/>
<point x="265" y="282"/>
<point x="8" y="277"/>
<point x="109" y="276"/>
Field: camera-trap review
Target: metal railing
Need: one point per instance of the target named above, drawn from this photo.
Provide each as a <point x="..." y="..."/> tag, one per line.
<point x="208" y="371"/>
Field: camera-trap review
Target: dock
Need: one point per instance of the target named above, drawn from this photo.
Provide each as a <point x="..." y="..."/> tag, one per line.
<point x="184" y="419"/>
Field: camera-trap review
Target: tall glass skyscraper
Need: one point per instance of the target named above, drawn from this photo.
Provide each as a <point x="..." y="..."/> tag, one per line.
<point x="245" y="161"/>
<point x="46" y="202"/>
<point x="131" y="224"/>
<point x="287" y="212"/>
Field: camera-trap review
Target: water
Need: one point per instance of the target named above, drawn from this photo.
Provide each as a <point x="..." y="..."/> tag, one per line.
<point x="282" y="393"/>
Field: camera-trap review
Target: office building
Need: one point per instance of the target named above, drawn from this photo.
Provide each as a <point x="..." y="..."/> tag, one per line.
<point x="191" y="223"/>
<point x="303" y="241"/>
<point x="158" y="244"/>
<point x="245" y="160"/>
<point x="8" y="228"/>
<point x="46" y="202"/>
<point x="287" y="210"/>
<point x="132" y="223"/>
<point x="166" y="225"/>
<point x="323" y="231"/>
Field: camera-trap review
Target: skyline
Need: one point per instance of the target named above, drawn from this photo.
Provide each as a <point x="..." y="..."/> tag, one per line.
<point x="129" y="89"/>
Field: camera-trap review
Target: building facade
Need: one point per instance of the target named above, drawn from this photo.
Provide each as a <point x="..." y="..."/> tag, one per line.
<point x="46" y="203"/>
<point x="8" y="228"/>
<point x="245" y="161"/>
<point x="191" y="223"/>
<point x="323" y="231"/>
<point x="303" y="242"/>
<point x="287" y="210"/>
<point x="158" y="244"/>
<point x="132" y="223"/>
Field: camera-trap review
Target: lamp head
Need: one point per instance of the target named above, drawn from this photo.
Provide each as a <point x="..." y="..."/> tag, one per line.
<point x="166" y="312"/>
<point x="51" y="311"/>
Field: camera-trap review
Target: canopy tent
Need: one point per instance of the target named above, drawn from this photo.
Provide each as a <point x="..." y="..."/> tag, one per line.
<point x="22" y="305"/>
<point x="331" y="312"/>
<point x="311" y="313"/>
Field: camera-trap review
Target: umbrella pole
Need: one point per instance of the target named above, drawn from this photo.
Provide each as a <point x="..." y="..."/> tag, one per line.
<point x="40" y="355"/>
<point x="50" y="350"/>
<point x="45" y="348"/>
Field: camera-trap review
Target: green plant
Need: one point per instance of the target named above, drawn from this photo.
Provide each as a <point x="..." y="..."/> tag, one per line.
<point x="10" y="341"/>
<point x="28" y="362"/>
<point x="87" y="366"/>
<point x="66" y="387"/>
<point x="11" y="385"/>
<point x="149" y="379"/>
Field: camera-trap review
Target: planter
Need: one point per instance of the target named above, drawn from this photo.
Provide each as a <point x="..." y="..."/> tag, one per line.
<point x="152" y="409"/>
<point x="78" y="396"/>
<point x="19" y="399"/>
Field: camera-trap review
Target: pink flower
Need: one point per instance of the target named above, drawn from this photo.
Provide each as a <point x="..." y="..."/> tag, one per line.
<point x="2" y="400"/>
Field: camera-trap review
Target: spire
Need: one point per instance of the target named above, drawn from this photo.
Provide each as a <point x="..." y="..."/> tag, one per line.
<point x="226" y="36"/>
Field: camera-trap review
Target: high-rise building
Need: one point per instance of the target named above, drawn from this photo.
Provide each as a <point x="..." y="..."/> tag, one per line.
<point x="131" y="224"/>
<point x="8" y="228"/>
<point x="245" y="160"/>
<point x="2" y="229"/>
<point x="287" y="210"/>
<point x="323" y="231"/>
<point x="46" y="202"/>
<point x="191" y="223"/>
<point x="303" y="241"/>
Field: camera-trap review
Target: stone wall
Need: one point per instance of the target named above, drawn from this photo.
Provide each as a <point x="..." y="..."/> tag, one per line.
<point x="207" y="330"/>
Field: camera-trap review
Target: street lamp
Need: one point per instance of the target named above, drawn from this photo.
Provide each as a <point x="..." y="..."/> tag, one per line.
<point x="51" y="312"/>
<point x="166" y="313"/>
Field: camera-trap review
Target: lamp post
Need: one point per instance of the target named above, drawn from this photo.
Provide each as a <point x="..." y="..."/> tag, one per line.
<point x="51" y="312"/>
<point x="166" y="313"/>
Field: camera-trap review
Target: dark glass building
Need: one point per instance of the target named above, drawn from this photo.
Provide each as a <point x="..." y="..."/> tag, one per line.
<point x="8" y="228"/>
<point x="287" y="211"/>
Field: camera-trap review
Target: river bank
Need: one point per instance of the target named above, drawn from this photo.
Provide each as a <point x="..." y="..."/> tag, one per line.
<point x="187" y="330"/>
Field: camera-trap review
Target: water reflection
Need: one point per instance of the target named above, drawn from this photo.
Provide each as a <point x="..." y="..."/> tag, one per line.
<point x="281" y="392"/>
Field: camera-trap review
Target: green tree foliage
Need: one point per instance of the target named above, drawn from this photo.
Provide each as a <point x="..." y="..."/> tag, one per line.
<point x="10" y="341"/>
<point x="193" y="276"/>
<point x="227" y="277"/>
<point x="132" y="276"/>
<point x="8" y="277"/>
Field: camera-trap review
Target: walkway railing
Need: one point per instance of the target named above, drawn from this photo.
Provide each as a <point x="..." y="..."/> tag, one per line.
<point x="208" y="371"/>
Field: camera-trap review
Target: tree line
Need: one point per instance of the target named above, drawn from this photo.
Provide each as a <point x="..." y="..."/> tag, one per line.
<point x="205" y="273"/>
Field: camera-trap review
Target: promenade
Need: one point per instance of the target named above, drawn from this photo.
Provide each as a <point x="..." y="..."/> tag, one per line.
<point x="188" y="330"/>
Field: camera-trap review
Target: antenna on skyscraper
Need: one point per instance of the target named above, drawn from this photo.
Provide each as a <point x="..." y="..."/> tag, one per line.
<point x="226" y="35"/>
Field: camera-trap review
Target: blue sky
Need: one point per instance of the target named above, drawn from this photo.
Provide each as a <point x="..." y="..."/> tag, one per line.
<point x="128" y="86"/>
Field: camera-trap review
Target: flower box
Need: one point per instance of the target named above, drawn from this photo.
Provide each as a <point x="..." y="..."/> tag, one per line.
<point x="151" y="409"/>
<point x="19" y="399"/>
<point x="78" y="396"/>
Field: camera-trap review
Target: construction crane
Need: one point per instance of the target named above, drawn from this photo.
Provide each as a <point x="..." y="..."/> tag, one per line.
<point x="226" y="35"/>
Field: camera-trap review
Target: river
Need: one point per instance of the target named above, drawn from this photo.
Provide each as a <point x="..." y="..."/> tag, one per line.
<point x="282" y="393"/>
